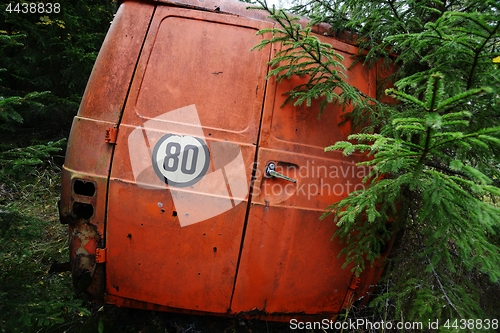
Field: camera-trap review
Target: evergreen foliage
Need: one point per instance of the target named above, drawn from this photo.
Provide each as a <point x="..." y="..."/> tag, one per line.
<point x="32" y="300"/>
<point x="434" y="185"/>
<point x="45" y="61"/>
<point x="304" y="54"/>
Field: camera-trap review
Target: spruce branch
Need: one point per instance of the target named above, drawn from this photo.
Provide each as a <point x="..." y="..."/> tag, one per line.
<point x="396" y="14"/>
<point x="425" y="151"/>
<point x="445" y="169"/>
<point x="477" y="54"/>
<point x="460" y="137"/>
<point x="303" y="54"/>
<point x="441" y="287"/>
<point x="434" y="91"/>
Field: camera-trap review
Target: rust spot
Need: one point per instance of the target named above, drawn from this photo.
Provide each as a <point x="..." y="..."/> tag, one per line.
<point x="83" y="245"/>
<point x="129" y="236"/>
<point x="160" y="205"/>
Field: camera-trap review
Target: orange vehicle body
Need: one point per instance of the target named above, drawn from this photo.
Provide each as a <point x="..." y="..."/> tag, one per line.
<point x="166" y="188"/>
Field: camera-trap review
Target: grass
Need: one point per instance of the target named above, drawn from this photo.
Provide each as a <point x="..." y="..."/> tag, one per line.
<point x="31" y="239"/>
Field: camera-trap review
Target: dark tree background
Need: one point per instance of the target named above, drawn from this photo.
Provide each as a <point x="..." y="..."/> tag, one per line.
<point x="45" y="62"/>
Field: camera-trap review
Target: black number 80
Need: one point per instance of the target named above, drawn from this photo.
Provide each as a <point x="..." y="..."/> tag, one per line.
<point x="173" y="155"/>
<point x="180" y="160"/>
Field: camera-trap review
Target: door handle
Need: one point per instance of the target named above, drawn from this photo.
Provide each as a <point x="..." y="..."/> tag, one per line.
<point x="271" y="172"/>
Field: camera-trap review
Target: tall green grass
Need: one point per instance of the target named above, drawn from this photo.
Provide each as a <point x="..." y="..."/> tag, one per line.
<point x="31" y="239"/>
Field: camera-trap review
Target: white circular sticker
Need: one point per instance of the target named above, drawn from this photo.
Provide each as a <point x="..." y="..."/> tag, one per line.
<point x="180" y="160"/>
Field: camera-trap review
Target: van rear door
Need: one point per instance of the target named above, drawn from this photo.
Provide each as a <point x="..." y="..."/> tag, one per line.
<point x="289" y="264"/>
<point x="181" y="170"/>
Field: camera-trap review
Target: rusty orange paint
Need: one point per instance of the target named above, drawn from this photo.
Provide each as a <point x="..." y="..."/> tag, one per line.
<point x="169" y="152"/>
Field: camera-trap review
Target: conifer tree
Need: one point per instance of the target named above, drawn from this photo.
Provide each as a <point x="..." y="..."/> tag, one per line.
<point x="45" y="60"/>
<point x="434" y="152"/>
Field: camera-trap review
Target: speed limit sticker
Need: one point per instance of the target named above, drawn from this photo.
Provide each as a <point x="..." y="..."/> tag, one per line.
<point x="180" y="160"/>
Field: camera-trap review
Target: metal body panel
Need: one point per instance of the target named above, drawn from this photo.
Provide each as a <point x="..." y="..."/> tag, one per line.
<point x="288" y="263"/>
<point x="110" y="79"/>
<point x="152" y="258"/>
<point x="164" y="185"/>
<point x="88" y="156"/>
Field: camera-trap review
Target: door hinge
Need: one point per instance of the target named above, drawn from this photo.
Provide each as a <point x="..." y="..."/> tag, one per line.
<point x="100" y="255"/>
<point x="111" y="135"/>
<point x="354" y="282"/>
<point x="351" y="292"/>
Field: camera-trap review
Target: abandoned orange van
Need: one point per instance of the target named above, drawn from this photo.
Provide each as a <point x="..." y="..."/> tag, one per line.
<point x="188" y="186"/>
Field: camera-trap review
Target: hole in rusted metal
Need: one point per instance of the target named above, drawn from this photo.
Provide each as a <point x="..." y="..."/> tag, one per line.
<point x="84" y="188"/>
<point x="129" y="236"/>
<point x="174" y="213"/>
<point x="83" y="210"/>
<point x="215" y="249"/>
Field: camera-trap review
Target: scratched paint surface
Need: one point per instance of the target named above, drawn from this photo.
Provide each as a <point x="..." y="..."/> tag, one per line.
<point x="184" y="229"/>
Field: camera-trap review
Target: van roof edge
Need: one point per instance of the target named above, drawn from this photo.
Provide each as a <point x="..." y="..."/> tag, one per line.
<point x="238" y="8"/>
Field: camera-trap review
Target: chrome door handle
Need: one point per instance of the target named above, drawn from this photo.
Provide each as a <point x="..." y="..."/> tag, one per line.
<point x="271" y="172"/>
